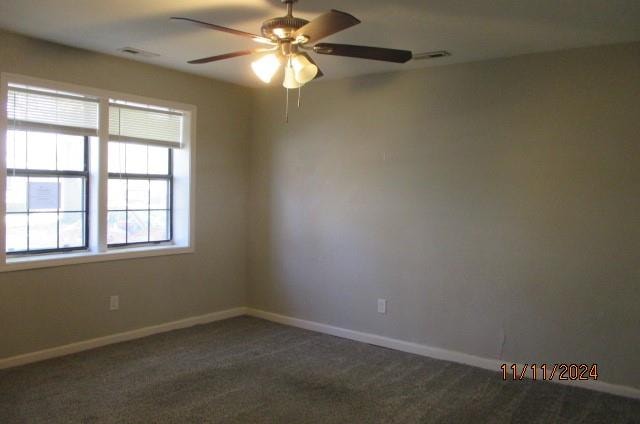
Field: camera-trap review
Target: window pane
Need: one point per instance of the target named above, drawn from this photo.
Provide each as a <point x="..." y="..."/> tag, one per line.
<point x="117" y="197"/>
<point x="138" y="226"/>
<point x="70" y="153"/>
<point x="158" y="160"/>
<point x="43" y="194"/>
<point x="43" y="231"/>
<point x="71" y="194"/>
<point x="138" y="194"/>
<point x="16" y="149"/>
<point x="41" y="150"/>
<point x="136" y="159"/>
<point x="159" y="226"/>
<point x="16" y="194"/>
<point x="71" y="230"/>
<point x="159" y="192"/>
<point x="116" y="228"/>
<point x="117" y="153"/>
<point x="16" y="232"/>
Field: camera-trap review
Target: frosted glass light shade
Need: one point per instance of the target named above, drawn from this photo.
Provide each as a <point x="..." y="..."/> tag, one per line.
<point x="290" y="81"/>
<point x="266" y="67"/>
<point x="304" y="70"/>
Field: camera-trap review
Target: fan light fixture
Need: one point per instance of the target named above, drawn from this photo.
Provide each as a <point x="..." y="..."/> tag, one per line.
<point x="298" y="70"/>
<point x="290" y="81"/>
<point x="305" y="71"/>
<point x="266" y="67"/>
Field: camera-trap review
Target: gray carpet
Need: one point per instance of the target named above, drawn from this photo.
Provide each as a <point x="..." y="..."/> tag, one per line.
<point x="246" y="370"/>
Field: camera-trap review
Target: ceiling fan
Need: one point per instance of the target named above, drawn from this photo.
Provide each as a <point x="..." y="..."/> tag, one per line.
<point x="287" y="39"/>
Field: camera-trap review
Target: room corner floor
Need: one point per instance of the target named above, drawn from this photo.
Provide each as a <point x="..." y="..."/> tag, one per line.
<point x="245" y="370"/>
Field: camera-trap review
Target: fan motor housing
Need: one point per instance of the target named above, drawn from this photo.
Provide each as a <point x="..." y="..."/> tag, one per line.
<point x="282" y="28"/>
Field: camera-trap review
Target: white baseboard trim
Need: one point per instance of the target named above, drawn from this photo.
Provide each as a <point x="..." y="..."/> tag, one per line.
<point x="54" y="352"/>
<point x="432" y="352"/>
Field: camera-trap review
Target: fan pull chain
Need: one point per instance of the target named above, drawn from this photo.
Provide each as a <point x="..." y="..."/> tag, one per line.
<point x="299" y="95"/>
<point x="286" y="113"/>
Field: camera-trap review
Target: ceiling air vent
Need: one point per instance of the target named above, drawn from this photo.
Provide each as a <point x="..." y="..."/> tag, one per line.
<point x="132" y="51"/>
<point x="431" y="55"/>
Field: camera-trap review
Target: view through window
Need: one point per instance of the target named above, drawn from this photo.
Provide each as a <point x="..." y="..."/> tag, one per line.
<point x="46" y="201"/>
<point x="140" y="182"/>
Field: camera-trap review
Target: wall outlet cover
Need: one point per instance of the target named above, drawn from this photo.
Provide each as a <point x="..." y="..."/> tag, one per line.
<point x="114" y="303"/>
<point x="382" y="306"/>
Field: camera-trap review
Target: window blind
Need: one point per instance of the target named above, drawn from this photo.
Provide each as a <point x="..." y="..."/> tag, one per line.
<point x="34" y="109"/>
<point x="139" y="124"/>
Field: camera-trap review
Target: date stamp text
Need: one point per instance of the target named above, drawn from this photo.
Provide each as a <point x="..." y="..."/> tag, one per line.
<point x="548" y="372"/>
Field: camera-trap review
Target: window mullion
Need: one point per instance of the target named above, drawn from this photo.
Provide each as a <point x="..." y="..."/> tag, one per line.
<point x="3" y="164"/>
<point x="170" y="199"/>
<point x="58" y="214"/>
<point x="126" y="213"/>
<point x="99" y="180"/>
<point x="28" y="215"/>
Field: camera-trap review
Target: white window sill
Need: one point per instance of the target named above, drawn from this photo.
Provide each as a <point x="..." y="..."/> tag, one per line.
<point x="63" y="259"/>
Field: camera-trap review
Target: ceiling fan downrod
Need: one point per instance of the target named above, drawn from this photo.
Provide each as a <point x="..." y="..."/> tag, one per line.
<point x="289" y="4"/>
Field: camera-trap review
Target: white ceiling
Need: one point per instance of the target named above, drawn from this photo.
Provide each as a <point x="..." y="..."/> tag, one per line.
<point x="471" y="30"/>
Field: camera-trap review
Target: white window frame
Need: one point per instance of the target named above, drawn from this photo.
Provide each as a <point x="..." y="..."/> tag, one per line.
<point x="183" y="214"/>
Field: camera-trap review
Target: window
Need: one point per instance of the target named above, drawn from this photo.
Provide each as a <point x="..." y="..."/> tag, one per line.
<point x="92" y="175"/>
<point x="46" y="200"/>
<point x="47" y="169"/>
<point x="140" y="186"/>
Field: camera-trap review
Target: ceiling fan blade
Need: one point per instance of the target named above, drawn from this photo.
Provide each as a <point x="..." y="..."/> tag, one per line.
<point x="327" y="24"/>
<point x="364" y="52"/>
<point x="320" y="73"/>
<point x="222" y="57"/>
<point x="255" y="37"/>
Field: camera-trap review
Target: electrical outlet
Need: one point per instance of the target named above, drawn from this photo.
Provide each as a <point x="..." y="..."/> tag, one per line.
<point x="114" y="303"/>
<point x="382" y="306"/>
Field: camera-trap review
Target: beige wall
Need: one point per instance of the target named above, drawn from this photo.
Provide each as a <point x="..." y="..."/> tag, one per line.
<point x="56" y="306"/>
<point x="483" y="200"/>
